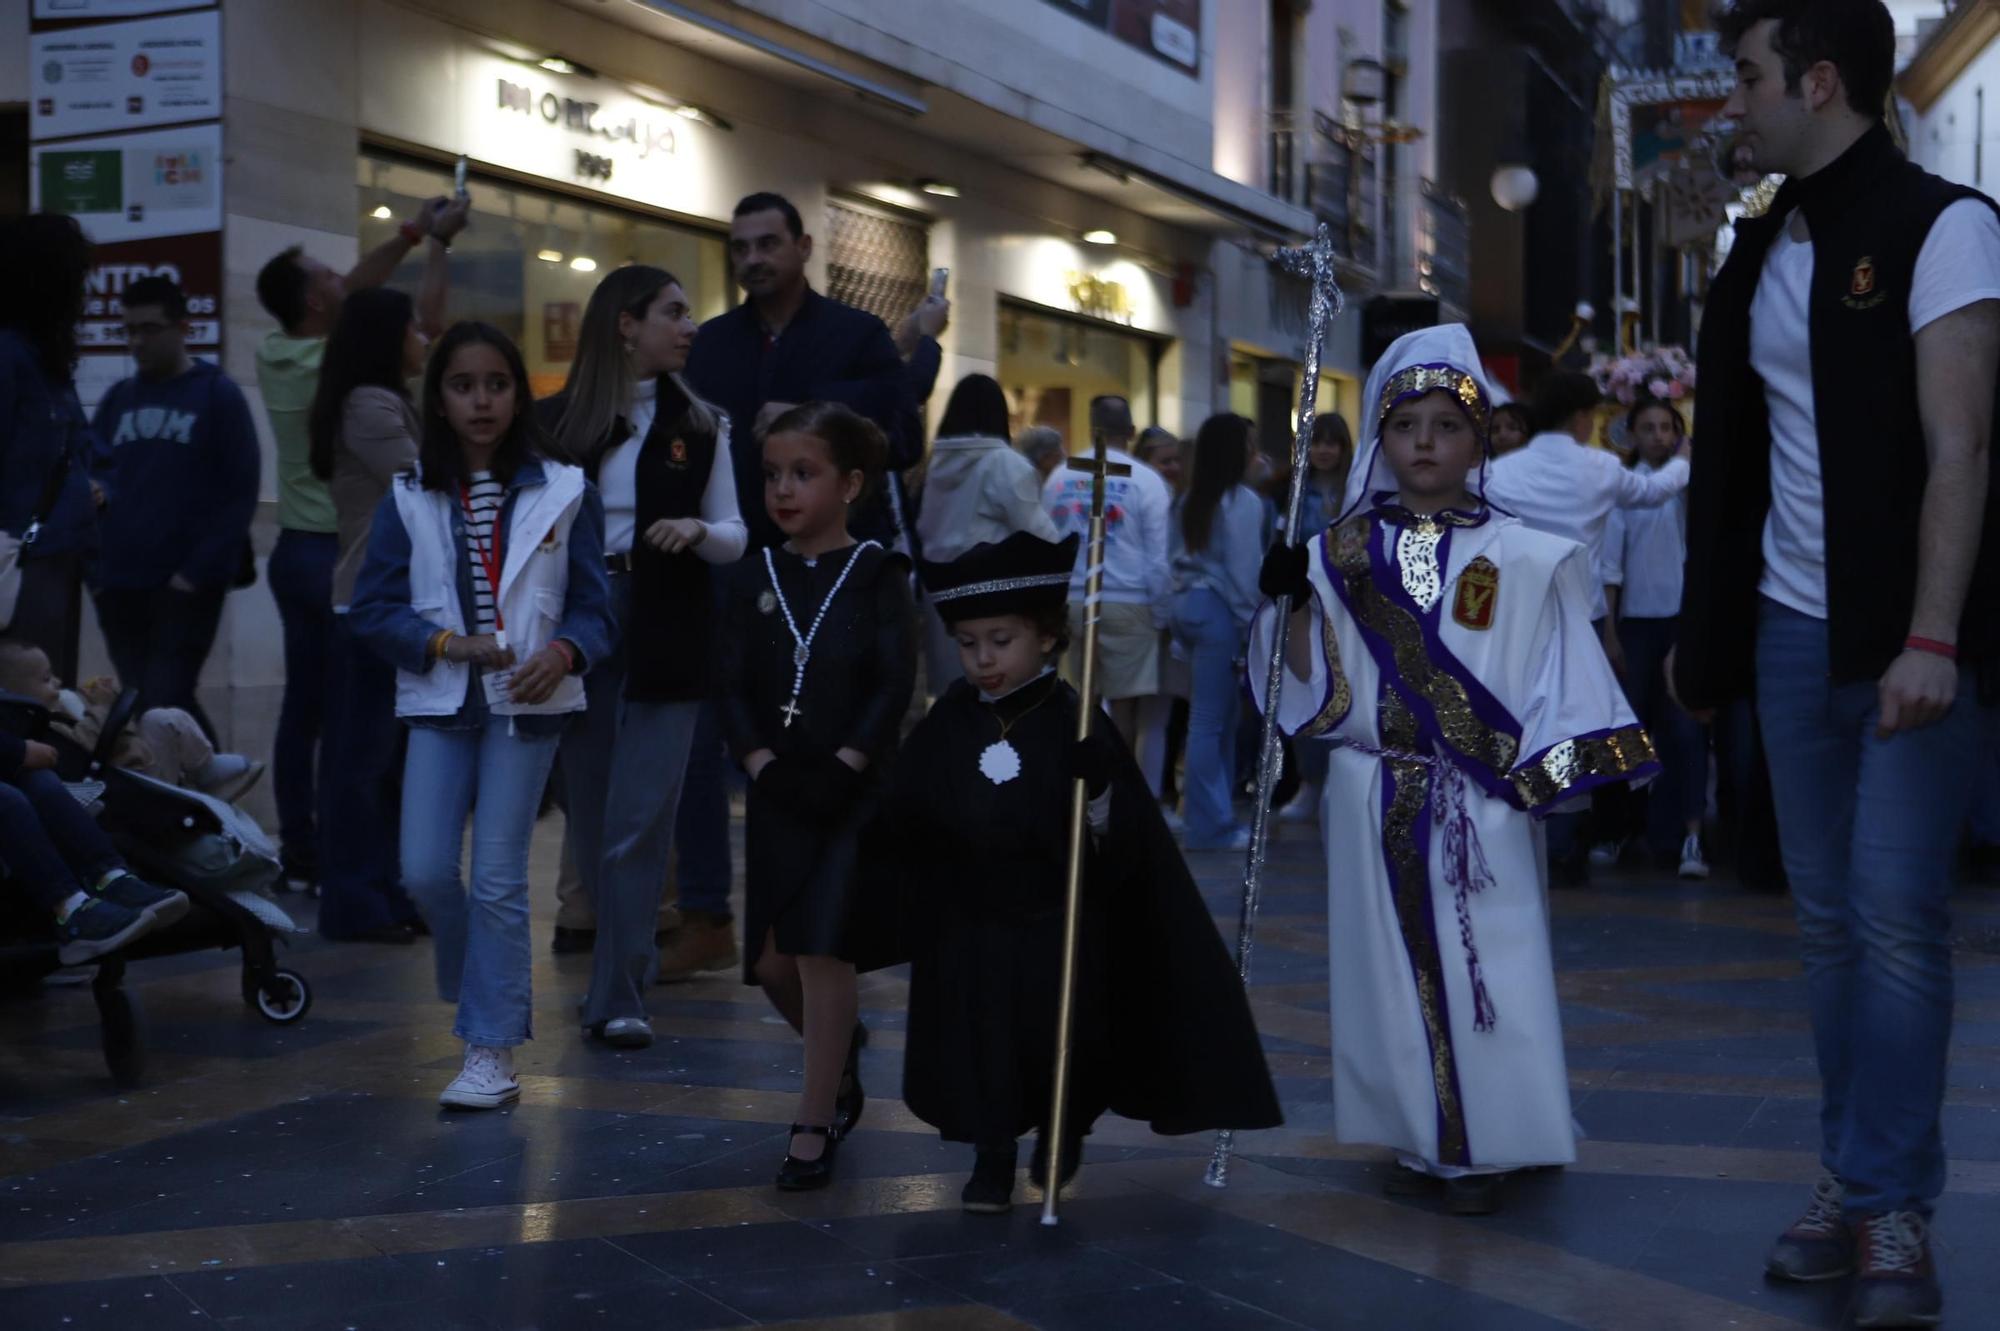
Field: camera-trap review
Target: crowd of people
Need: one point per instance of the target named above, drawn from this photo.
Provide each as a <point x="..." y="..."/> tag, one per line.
<point x="729" y="554"/>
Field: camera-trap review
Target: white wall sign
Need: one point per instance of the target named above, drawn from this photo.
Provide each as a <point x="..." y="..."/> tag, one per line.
<point x="588" y="131"/>
<point x="157" y="71"/>
<point x="85" y="9"/>
<point x="164" y="182"/>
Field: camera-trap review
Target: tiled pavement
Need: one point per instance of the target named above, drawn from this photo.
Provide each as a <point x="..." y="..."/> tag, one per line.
<point x="303" y="1177"/>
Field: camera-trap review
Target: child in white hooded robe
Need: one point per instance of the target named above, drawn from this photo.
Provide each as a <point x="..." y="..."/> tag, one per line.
<point x="1446" y="649"/>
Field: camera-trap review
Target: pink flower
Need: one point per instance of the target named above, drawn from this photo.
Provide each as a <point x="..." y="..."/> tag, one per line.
<point x="1657" y="387"/>
<point x="1675" y="392"/>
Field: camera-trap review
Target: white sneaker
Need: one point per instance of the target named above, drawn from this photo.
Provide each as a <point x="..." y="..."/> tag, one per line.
<point x="1304" y="807"/>
<point x="1694" y="864"/>
<point x="487" y="1081"/>
<point x="1173" y="818"/>
<point x="1605" y="854"/>
<point x="628" y="1033"/>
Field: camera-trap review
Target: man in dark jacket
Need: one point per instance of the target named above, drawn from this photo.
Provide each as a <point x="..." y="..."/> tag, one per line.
<point x="177" y="464"/>
<point x="787" y="344"/>
<point x="1843" y="569"/>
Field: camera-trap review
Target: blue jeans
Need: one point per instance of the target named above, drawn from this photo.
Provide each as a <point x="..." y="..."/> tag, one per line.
<point x="1681" y="793"/>
<point x="623" y="763"/>
<point x="360" y="879"/>
<point x="701" y="828"/>
<point x="1202" y="620"/>
<point x="480" y="936"/>
<point x="301" y="577"/>
<point x="49" y="844"/>
<point x="1869" y="831"/>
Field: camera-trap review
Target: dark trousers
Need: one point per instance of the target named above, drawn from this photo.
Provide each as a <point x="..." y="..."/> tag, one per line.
<point x="301" y="575"/>
<point x="1681" y="793"/>
<point x="50" y="611"/>
<point x="360" y="806"/>
<point x="159" y="638"/>
<point x="50" y="846"/>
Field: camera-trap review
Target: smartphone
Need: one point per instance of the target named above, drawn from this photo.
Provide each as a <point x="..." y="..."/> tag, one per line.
<point x="939" y="276"/>
<point x="458" y="176"/>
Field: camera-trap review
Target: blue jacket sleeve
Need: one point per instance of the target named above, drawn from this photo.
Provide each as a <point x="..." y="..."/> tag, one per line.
<point x="925" y="365"/>
<point x="587" y="624"/>
<point x="380" y="613"/>
<point x="102" y="457"/>
<point x="874" y="381"/>
<point x="233" y="461"/>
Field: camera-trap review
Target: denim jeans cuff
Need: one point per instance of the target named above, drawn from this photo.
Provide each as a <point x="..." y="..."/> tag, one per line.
<point x="491" y="1041"/>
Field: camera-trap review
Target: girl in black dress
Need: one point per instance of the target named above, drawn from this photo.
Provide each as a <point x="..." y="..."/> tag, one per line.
<point x="817" y="663"/>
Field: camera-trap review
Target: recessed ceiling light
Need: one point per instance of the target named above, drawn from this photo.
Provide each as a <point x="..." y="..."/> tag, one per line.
<point x="583" y="263"/>
<point x="701" y="115"/>
<point x="549" y="256"/>
<point x="555" y="64"/>
<point x="381" y="213"/>
<point x="1100" y="237"/>
<point x="941" y="188"/>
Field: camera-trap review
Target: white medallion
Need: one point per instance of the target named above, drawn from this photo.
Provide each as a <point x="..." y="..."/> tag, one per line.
<point x="999" y="762"/>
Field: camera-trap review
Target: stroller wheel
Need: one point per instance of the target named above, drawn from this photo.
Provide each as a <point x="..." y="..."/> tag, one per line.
<point x="124" y="1044"/>
<point x="283" y="999"/>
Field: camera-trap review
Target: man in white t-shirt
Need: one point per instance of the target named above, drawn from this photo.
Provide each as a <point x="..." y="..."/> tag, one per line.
<point x="1138" y="576"/>
<point x="1843" y="567"/>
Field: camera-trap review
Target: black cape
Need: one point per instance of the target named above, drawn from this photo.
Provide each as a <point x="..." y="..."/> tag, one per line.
<point x="1163" y="1030"/>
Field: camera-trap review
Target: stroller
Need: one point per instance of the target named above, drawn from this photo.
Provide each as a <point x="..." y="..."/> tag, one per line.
<point x="178" y="838"/>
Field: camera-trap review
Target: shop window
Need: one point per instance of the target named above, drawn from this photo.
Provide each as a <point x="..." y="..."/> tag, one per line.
<point x="529" y="260"/>
<point x="1051" y="367"/>
<point x="875" y="261"/>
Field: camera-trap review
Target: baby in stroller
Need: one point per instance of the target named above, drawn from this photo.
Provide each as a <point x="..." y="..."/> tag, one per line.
<point x="164" y="743"/>
<point x="52" y="850"/>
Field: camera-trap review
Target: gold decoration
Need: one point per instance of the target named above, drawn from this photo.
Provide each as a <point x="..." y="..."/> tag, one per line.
<point x="1542" y="781"/>
<point x="1340" y="698"/>
<point x="1420" y="379"/>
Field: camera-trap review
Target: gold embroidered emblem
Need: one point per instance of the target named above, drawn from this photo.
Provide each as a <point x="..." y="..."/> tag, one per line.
<point x="1478" y="589"/>
<point x="1864" y="277"/>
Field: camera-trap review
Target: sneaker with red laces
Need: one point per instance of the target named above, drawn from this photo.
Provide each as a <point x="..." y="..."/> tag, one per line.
<point x="1895" y="1281"/>
<point x="1818" y="1245"/>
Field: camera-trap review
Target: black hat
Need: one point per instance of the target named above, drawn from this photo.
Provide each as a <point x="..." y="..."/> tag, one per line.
<point x="1017" y="576"/>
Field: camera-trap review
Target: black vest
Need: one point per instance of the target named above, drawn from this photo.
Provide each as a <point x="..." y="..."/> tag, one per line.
<point x="1868" y="214"/>
<point x="668" y="637"/>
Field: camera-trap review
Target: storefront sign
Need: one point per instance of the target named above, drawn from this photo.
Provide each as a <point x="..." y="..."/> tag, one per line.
<point x="1167" y="29"/>
<point x="68" y="10"/>
<point x="193" y="262"/>
<point x="585" y="130"/>
<point x="111" y="76"/>
<point x="561" y="320"/>
<point x="1099" y="297"/>
<point x="134" y="186"/>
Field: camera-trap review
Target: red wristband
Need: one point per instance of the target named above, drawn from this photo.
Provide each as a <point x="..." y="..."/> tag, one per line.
<point x="411" y="232"/>
<point x="1915" y="644"/>
<point x="568" y="652"/>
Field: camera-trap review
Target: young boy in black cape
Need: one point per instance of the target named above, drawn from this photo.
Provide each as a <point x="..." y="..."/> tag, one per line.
<point x="980" y="815"/>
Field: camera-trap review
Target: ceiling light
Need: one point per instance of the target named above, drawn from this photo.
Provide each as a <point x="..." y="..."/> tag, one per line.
<point x="549" y="256"/>
<point x="1100" y="237"/>
<point x="583" y="263"/>
<point x="942" y="189"/>
<point x="555" y="64"/>
<point x="381" y="213"/>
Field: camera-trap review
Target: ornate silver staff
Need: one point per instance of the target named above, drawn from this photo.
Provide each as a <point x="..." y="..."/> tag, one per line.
<point x="1314" y="261"/>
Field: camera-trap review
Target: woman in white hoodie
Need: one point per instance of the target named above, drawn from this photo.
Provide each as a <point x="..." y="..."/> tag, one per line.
<point x="978" y="489"/>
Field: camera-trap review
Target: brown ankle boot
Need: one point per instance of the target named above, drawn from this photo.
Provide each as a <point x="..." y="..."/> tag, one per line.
<point x="703" y="945"/>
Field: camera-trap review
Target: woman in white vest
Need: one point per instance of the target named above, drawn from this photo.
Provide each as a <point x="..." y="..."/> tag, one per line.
<point x="485" y="587"/>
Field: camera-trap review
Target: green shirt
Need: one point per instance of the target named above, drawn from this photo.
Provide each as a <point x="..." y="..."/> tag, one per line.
<point x="288" y="374"/>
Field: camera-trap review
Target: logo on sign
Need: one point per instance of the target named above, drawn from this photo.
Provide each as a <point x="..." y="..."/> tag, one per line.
<point x="52" y="72"/>
<point x="141" y="63"/>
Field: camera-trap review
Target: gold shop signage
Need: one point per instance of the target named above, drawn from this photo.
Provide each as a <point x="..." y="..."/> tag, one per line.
<point x="1098" y="297"/>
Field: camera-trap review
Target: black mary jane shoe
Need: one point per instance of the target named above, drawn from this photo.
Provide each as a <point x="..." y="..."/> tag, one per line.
<point x="797" y="1175"/>
<point x="1406" y="1182"/>
<point x="849" y="1101"/>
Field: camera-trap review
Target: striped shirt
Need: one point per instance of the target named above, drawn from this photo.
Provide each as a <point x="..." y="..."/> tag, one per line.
<point x="483" y="497"/>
